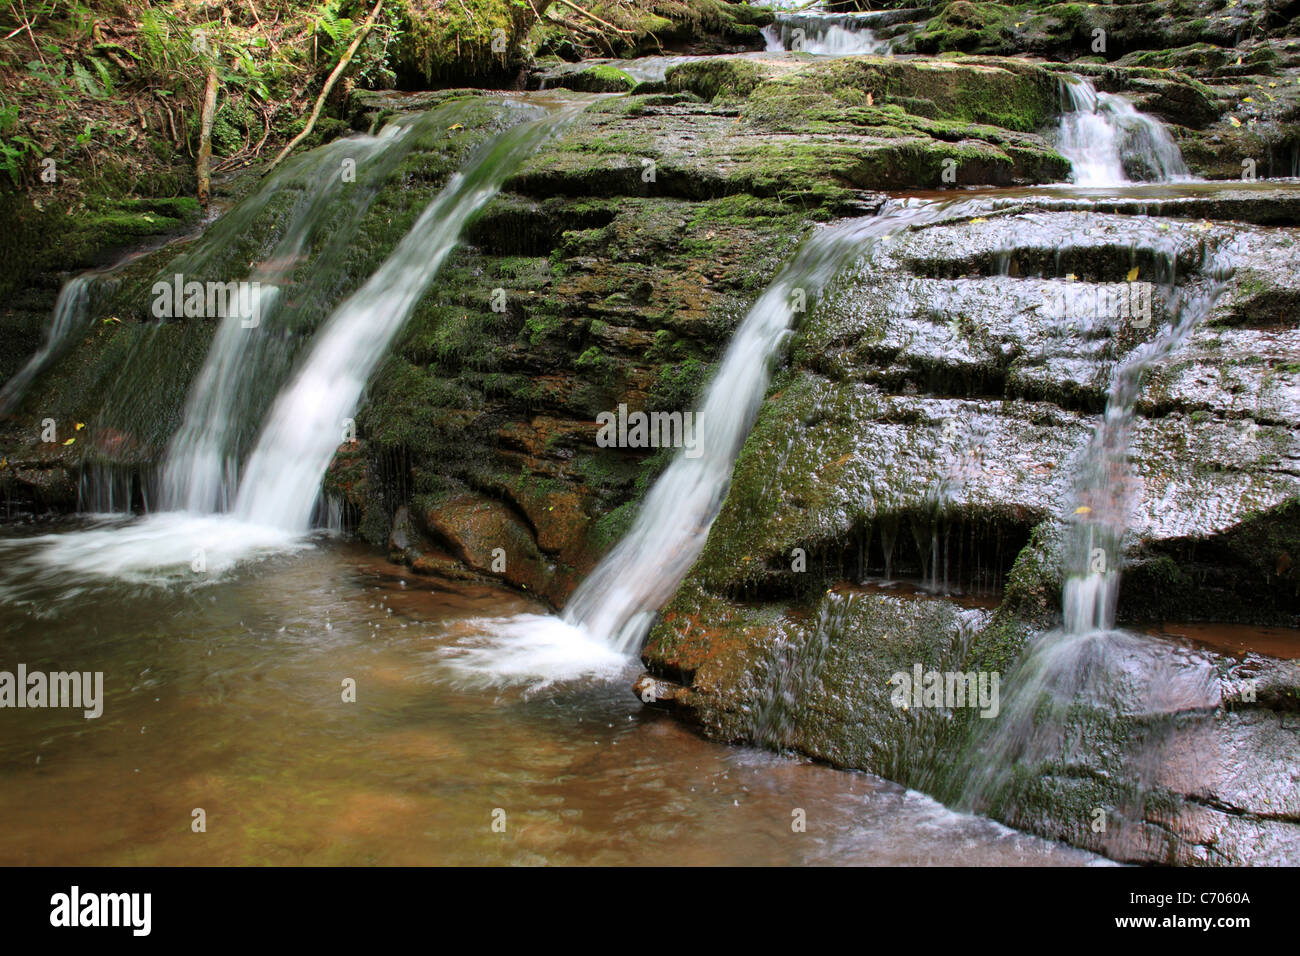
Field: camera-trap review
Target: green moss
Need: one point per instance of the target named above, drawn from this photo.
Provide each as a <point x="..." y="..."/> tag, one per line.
<point x="441" y="42"/>
<point x="678" y="386"/>
<point x="726" y="79"/>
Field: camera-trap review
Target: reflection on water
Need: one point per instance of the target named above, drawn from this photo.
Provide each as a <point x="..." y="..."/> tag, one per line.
<point x="227" y="696"/>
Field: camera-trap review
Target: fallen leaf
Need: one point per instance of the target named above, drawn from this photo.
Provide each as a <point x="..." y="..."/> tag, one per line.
<point x="1132" y="274"/>
<point x="69" y="441"/>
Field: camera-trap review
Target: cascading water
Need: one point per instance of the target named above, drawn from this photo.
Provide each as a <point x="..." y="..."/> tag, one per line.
<point x="283" y="475"/>
<point x="1084" y="662"/>
<point x="824" y="34"/>
<point x="613" y="609"/>
<point x="71" y="314"/>
<point x="281" y="484"/>
<point x="201" y="469"/>
<point x="1108" y="142"/>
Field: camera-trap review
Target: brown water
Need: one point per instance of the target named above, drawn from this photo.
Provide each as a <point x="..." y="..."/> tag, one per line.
<point x="226" y="696"/>
<point x="1237" y="639"/>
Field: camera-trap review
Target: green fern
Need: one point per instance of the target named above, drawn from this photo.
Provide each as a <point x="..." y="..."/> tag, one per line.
<point x="105" y="77"/>
<point x="85" y="82"/>
<point x="339" y="29"/>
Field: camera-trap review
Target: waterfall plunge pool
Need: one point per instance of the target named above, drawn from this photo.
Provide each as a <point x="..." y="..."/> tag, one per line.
<point x="225" y="693"/>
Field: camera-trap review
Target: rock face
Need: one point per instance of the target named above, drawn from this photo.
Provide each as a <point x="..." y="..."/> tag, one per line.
<point x="929" y="427"/>
<point x="612" y="269"/>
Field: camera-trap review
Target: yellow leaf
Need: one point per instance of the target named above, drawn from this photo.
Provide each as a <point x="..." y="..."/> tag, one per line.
<point x="1132" y="273"/>
<point x="1234" y="121"/>
<point x="80" y="425"/>
<point x="456" y="126"/>
<point x="978" y="219"/>
<point x="1083" y="510"/>
<point x="69" y="441"/>
<point x="1248" y="99"/>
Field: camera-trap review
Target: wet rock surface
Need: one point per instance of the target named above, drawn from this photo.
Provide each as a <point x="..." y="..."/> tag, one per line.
<point x="929" y="426"/>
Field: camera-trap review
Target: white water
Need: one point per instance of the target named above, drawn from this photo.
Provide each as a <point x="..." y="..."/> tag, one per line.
<point x="71" y="314"/>
<point x="282" y="481"/>
<point x="1086" y="661"/>
<point x="1106" y="139"/>
<point x="823" y="34"/>
<point x="307" y="424"/>
<point x="1102" y="514"/>
<point x="202" y="465"/>
<point x="613" y="609"/>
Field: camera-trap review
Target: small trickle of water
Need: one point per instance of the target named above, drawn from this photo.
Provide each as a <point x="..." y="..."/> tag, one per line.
<point x="1108" y="142"/>
<point x="71" y="315"/>
<point x="1087" y="662"/>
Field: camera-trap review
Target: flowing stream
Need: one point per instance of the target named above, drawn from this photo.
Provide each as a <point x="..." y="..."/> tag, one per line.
<point x="296" y="624"/>
<point x="225" y="694"/>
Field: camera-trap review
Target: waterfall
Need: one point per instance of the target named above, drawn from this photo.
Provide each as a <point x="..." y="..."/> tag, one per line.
<point x="281" y="484"/>
<point x="71" y="314"/>
<point x="306" y="425"/>
<point x="1101" y="516"/>
<point x="1108" y="142"/>
<point x="612" y="610"/>
<point x="337" y="181"/>
<point x="1086" y="662"/>
<point x="827" y="34"/>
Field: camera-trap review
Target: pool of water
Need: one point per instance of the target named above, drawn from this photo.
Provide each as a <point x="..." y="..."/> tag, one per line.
<point x="226" y="694"/>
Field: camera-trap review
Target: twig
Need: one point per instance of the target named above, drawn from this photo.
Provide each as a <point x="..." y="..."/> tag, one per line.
<point x="27" y="23"/>
<point x="265" y="31"/>
<point x="329" y="85"/>
<point x="266" y="131"/>
<point x="203" y="165"/>
<point x="467" y="13"/>
<point x="591" y="16"/>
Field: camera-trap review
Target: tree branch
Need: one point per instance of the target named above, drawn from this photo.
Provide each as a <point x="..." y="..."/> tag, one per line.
<point x="329" y="85"/>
